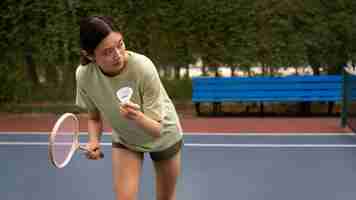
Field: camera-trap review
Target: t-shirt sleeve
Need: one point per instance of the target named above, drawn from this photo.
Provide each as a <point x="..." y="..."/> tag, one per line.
<point x="82" y="98"/>
<point x="151" y="92"/>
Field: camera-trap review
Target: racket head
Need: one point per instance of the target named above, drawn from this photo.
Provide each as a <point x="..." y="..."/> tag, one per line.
<point x="64" y="140"/>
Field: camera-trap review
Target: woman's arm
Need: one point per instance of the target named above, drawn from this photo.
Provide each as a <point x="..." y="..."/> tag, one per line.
<point x="95" y="128"/>
<point x="131" y="111"/>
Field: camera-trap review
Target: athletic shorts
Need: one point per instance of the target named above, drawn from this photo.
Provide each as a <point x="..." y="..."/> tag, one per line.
<point x="159" y="155"/>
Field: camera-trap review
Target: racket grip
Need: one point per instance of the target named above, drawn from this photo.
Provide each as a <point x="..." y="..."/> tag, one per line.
<point x="101" y="155"/>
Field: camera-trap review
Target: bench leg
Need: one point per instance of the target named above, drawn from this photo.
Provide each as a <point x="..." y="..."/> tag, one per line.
<point x="219" y="107"/>
<point x="197" y="108"/>
<point x="247" y="108"/>
<point x="305" y="108"/>
<point x="330" y="107"/>
<point x="261" y="109"/>
<point x="215" y="108"/>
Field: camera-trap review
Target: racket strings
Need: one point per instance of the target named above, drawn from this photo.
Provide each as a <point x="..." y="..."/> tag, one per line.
<point x="64" y="140"/>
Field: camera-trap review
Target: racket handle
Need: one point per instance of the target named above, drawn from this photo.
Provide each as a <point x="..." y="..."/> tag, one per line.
<point x="86" y="150"/>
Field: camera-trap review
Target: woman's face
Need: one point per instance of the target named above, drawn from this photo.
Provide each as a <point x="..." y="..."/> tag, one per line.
<point x="111" y="55"/>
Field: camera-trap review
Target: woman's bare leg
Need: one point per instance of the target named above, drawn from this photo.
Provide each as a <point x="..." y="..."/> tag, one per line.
<point x="167" y="173"/>
<point x="126" y="167"/>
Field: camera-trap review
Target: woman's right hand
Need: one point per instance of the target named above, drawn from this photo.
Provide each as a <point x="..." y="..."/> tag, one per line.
<point x="94" y="151"/>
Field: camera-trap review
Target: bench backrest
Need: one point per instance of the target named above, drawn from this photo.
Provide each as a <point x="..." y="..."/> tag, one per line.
<point x="290" y="88"/>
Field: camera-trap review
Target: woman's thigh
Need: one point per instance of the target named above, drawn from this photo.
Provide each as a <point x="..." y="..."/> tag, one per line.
<point x="126" y="168"/>
<point x="167" y="174"/>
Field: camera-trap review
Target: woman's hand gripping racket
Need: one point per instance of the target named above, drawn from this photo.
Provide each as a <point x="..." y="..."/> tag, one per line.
<point x="64" y="141"/>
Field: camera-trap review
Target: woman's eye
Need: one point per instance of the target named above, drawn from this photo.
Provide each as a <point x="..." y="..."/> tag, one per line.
<point x="108" y="52"/>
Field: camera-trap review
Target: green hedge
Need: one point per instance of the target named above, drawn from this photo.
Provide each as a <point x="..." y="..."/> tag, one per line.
<point x="179" y="90"/>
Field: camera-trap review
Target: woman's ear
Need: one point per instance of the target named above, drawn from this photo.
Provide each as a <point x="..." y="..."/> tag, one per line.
<point x="85" y="53"/>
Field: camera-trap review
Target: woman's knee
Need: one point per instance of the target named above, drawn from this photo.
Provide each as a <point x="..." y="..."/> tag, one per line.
<point x="126" y="195"/>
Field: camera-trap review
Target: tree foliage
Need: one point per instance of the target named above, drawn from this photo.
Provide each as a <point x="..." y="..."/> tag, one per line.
<point x="40" y="39"/>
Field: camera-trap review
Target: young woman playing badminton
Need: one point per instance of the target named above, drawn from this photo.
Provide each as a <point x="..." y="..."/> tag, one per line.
<point x="148" y="122"/>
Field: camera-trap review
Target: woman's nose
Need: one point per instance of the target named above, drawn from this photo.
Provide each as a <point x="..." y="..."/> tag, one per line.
<point x="117" y="54"/>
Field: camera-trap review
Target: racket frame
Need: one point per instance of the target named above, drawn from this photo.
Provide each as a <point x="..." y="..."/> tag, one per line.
<point x="75" y="144"/>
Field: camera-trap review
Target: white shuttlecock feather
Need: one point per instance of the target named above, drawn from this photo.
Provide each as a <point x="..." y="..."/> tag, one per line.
<point x="124" y="94"/>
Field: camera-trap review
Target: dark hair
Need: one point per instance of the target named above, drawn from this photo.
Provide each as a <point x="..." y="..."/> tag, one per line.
<point x="92" y="31"/>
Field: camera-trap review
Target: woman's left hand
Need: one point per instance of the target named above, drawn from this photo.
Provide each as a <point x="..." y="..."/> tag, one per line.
<point x="130" y="110"/>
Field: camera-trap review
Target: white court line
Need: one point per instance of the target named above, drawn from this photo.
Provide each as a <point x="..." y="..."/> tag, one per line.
<point x="268" y="134"/>
<point x="273" y="145"/>
<point x="208" y="134"/>
<point x="39" y="133"/>
<point x="212" y="145"/>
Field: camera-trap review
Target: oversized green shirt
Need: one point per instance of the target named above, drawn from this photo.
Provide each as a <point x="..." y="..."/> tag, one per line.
<point x="97" y="92"/>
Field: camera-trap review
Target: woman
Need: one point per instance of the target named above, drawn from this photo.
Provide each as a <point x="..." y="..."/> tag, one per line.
<point x="147" y="123"/>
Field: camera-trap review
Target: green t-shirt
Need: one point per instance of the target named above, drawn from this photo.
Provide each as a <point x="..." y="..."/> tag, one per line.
<point x="97" y="92"/>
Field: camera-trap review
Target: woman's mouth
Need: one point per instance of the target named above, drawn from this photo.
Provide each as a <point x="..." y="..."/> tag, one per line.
<point x="117" y="63"/>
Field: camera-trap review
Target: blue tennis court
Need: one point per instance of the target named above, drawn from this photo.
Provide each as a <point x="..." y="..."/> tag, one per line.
<point x="245" y="167"/>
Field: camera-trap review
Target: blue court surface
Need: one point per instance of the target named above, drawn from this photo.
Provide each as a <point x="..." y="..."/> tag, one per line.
<point x="244" y="167"/>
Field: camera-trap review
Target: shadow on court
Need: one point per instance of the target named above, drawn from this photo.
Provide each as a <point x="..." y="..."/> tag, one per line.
<point x="214" y="167"/>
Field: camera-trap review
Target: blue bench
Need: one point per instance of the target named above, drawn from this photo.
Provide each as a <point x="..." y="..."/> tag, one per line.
<point x="217" y="90"/>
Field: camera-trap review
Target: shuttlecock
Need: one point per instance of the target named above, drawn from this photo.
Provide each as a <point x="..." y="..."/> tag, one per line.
<point x="124" y="94"/>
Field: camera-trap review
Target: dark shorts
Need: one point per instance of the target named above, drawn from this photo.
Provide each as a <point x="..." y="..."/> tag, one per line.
<point x="159" y="155"/>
